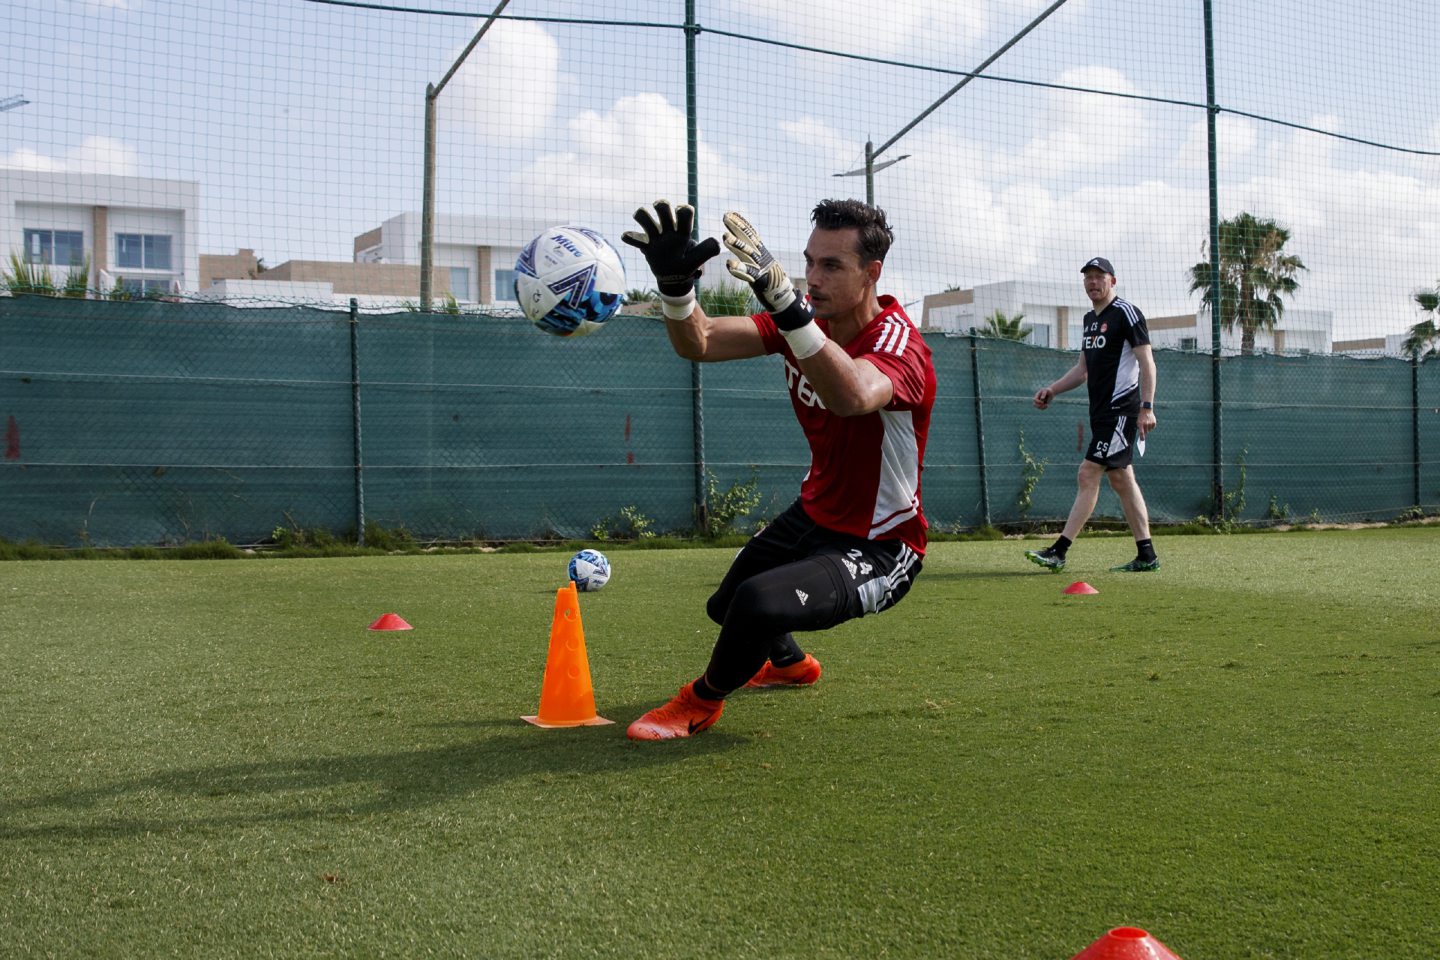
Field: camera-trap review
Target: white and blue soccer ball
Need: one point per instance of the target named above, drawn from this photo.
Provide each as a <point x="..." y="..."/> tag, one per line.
<point x="590" y="570"/>
<point x="569" y="281"/>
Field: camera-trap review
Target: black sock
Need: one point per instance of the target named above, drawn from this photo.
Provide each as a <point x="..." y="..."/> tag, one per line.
<point x="784" y="651"/>
<point x="1146" y="549"/>
<point x="704" y="691"/>
<point x="1061" y="545"/>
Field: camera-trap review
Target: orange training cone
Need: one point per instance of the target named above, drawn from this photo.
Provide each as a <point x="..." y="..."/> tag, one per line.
<point x="391" y="621"/>
<point x="567" y="698"/>
<point x="1126" y="943"/>
<point x="1079" y="586"/>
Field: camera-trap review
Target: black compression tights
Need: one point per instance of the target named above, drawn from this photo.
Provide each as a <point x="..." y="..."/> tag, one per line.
<point x="762" y="611"/>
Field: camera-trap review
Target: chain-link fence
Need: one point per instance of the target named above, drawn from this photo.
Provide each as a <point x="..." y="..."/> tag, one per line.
<point x="167" y="422"/>
<point x="1280" y="159"/>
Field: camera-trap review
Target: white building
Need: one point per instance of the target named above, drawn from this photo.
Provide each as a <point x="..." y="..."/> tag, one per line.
<point x="133" y="231"/>
<point x="1299" y="332"/>
<point x="1369" y="348"/>
<point x="474" y="262"/>
<point x="475" y="253"/>
<point x="1052" y="311"/>
<point x="1053" y="314"/>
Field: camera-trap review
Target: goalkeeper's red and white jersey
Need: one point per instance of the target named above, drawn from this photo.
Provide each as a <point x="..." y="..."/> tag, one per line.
<point x="864" y="476"/>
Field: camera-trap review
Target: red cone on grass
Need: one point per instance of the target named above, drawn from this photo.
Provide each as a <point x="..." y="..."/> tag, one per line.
<point x="1126" y="943"/>
<point x="1080" y="586"/>
<point x="391" y="621"/>
<point x="567" y="697"/>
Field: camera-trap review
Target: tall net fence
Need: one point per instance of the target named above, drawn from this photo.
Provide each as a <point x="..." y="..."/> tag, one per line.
<point x="160" y="422"/>
<point x="271" y="156"/>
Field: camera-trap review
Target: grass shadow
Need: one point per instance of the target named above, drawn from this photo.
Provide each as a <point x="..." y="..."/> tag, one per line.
<point x="339" y="786"/>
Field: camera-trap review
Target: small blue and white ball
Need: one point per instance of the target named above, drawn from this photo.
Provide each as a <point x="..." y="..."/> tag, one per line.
<point x="590" y="570"/>
<point x="569" y="281"/>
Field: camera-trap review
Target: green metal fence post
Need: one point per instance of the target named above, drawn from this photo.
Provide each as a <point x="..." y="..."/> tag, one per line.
<point x="1216" y="301"/>
<point x="355" y="421"/>
<point x="980" y="431"/>
<point x="692" y="166"/>
<point x="1415" y="421"/>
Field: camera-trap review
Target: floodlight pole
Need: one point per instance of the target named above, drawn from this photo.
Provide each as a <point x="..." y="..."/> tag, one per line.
<point x="427" y="212"/>
<point x="870" y="169"/>
<point x="871" y="151"/>
<point x="870" y="173"/>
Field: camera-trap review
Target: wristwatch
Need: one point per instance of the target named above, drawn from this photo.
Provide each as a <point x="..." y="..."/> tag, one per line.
<point x="1146" y="405"/>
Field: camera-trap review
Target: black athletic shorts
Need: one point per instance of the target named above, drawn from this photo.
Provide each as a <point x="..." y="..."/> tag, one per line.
<point x="1112" y="440"/>
<point x="836" y="577"/>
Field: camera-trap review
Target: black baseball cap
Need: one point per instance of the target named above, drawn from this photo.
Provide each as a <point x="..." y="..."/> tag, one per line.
<point x="1098" y="263"/>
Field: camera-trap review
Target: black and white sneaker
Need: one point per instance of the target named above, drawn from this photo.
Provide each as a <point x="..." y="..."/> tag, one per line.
<point x="1047" y="558"/>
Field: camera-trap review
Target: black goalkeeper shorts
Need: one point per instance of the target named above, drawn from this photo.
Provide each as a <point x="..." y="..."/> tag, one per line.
<point x="1112" y="441"/>
<point x="814" y="577"/>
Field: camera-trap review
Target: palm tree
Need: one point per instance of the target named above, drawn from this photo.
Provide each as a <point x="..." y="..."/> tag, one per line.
<point x="1000" y="327"/>
<point x="1254" y="273"/>
<point x="1424" y="339"/>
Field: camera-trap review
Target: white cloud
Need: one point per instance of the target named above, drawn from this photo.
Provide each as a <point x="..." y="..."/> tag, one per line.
<point x="1367" y="233"/>
<point x="840" y="24"/>
<point x="616" y="161"/>
<point x="509" y="85"/>
<point x="1235" y="138"/>
<point x="104" y="155"/>
<point x="916" y="31"/>
<point x="959" y="224"/>
<point x="817" y="136"/>
<point x="964" y="214"/>
<point x="1302" y="150"/>
<point x="1083" y="131"/>
<point x="93" y="155"/>
<point x="24" y="158"/>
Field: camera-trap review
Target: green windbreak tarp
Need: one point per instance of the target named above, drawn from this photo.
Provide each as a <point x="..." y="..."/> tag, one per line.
<point x="158" y="422"/>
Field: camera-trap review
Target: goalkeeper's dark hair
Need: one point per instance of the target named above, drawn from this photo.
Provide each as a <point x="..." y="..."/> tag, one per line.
<point x="875" y="233"/>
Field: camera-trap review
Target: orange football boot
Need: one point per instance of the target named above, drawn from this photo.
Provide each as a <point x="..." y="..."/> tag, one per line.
<point x="800" y="674"/>
<point x="683" y="716"/>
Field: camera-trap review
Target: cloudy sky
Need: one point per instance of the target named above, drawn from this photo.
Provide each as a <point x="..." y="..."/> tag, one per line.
<point x="303" y="123"/>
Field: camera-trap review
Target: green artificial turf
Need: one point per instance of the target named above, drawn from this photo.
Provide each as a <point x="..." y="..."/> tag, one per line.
<point x="215" y="758"/>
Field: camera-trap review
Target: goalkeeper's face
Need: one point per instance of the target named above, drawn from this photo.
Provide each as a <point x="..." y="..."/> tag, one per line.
<point x="835" y="279"/>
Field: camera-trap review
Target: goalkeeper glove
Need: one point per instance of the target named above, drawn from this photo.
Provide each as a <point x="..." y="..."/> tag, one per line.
<point x="675" y="258"/>
<point x="756" y="265"/>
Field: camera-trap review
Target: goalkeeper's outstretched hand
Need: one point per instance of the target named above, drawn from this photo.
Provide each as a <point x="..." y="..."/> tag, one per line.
<point x="754" y="264"/>
<point x="675" y="257"/>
